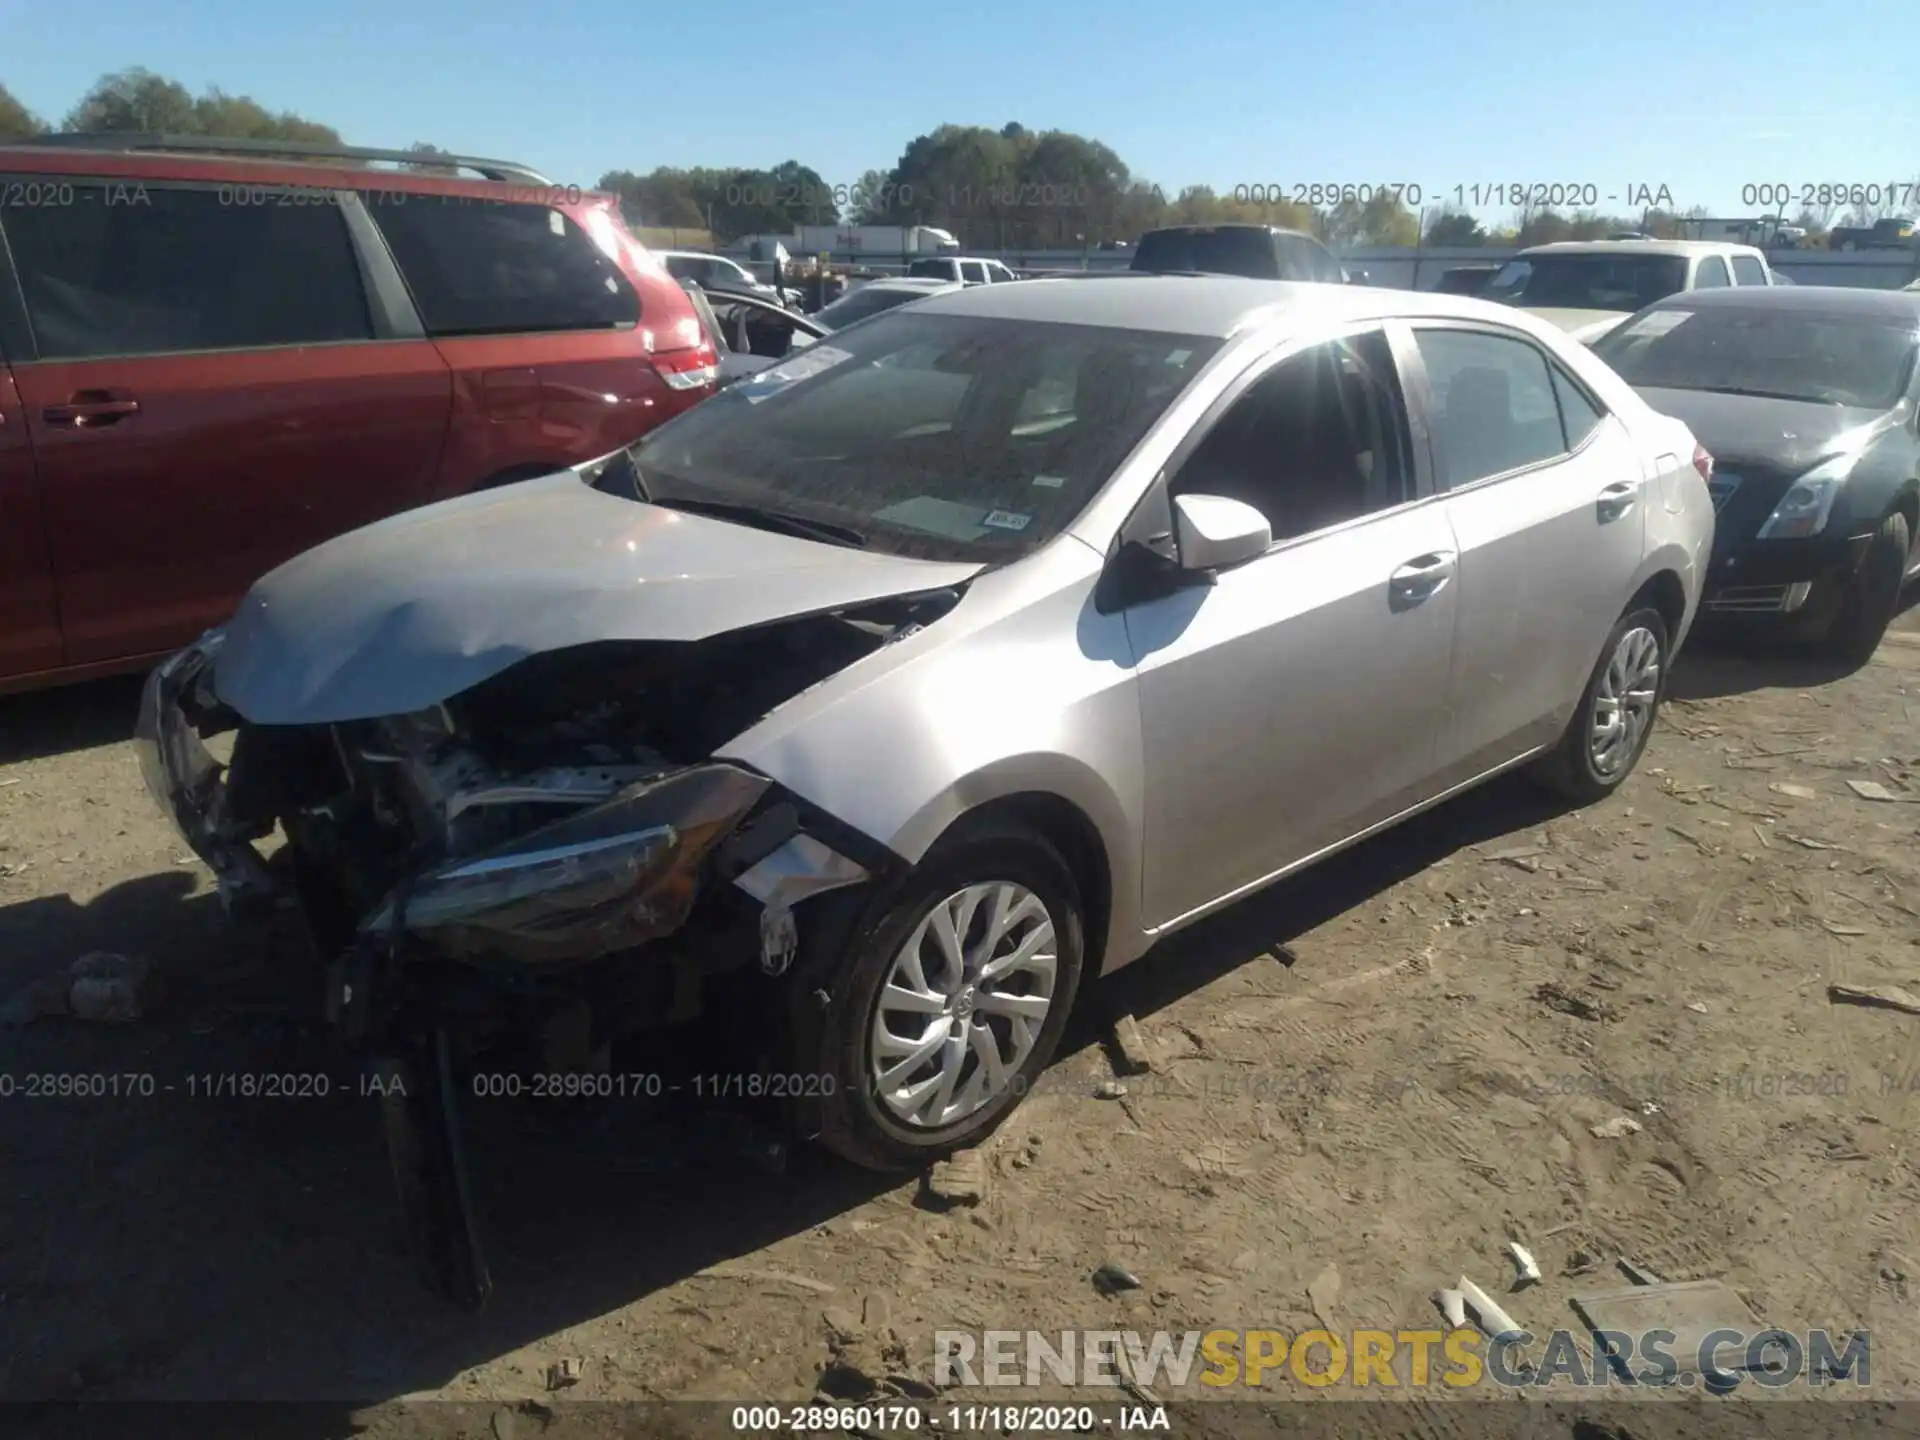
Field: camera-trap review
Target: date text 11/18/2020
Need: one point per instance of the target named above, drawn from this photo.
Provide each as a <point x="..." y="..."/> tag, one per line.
<point x="1519" y="194"/>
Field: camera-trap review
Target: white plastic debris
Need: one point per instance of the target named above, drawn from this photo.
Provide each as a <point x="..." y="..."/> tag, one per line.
<point x="1617" y="1128"/>
<point x="1495" y="1321"/>
<point x="1454" y="1306"/>
<point x="1528" y="1273"/>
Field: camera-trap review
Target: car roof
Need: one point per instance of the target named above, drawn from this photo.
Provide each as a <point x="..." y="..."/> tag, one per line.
<point x="925" y="283"/>
<point x="1640" y="247"/>
<point x="1226" y="225"/>
<point x="1219" y="306"/>
<point x="1834" y="300"/>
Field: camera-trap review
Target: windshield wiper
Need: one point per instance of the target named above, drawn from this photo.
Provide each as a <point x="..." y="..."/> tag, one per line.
<point x="767" y="519"/>
<point x="1764" y="394"/>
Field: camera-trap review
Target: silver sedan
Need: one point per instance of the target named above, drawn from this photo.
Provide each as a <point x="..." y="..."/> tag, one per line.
<point x="952" y="661"/>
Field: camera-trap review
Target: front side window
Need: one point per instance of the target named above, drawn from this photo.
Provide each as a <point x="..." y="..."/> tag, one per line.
<point x="973" y="272"/>
<point x="1859" y="360"/>
<point x="486" y="267"/>
<point x="1749" y="271"/>
<point x="149" y="270"/>
<point x="1494" y="407"/>
<point x="1319" y="440"/>
<point x="939" y="436"/>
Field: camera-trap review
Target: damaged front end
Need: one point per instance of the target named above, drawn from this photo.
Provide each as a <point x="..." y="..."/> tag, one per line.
<point x="533" y="869"/>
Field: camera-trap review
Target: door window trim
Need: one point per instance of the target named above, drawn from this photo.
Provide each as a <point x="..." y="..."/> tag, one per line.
<point x="1486" y="327"/>
<point x="380" y="316"/>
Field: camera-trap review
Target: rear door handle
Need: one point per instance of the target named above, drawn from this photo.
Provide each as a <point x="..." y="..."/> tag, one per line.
<point x="88" y="409"/>
<point x="1616" y="500"/>
<point x="1422" y="576"/>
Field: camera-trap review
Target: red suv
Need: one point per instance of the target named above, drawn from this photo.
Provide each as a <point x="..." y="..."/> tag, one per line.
<point x="214" y="356"/>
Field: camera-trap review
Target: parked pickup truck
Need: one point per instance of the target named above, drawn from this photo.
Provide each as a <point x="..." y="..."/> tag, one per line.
<point x="1898" y="233"/>
<point x="966" y="269"/>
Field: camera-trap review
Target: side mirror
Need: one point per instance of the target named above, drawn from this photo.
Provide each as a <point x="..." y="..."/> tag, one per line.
<point x="1214" y="532"/>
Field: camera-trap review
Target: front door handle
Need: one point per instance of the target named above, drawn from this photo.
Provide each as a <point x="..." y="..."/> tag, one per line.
<point x="1422" y="576"/>
<point x="89" y="409"/>
<point x="1616" y="500"/>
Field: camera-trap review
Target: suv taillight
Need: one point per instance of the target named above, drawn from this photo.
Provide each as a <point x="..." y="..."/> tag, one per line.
<point x="1703" y="462"/>
<point x="691" y="369"/>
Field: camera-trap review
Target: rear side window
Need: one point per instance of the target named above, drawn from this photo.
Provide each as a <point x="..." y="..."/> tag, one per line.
<point x="1711" y="274"/>
<point x="1493" y="401"/>
<point x="973" y="272"/>
<point x="1579" y="416"/>
<point x="149" y="270"/>
<point x="1749" y="271"/>
<point x="931" y="269"/>
<point x="481" y="267"/>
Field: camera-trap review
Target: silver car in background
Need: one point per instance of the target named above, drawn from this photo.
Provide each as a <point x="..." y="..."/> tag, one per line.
<point x="958" y="659"/>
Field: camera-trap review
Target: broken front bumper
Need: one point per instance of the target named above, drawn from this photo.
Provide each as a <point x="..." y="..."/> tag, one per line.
<point x="186" y="779"/>
<point x="604" y="878"/>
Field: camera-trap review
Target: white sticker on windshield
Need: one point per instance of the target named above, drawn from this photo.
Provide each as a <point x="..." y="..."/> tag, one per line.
<point x="1006" y="520"/>
<point x="556" y="222"/>
<point x="1179" y="357"/>
<point x="1659" y="323"/>
<point x="771" y="382"/>
<point x="1050" y="482"/>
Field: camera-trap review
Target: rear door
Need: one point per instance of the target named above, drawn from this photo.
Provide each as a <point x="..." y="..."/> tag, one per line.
<point x="1543" y="490"/>
<point x="541" y="328"/>
<point x="206" y="398"/>
<point x="29" y="615"/>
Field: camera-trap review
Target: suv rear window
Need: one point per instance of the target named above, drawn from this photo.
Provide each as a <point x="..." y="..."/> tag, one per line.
<point x="484" y="267"/>
<point x="163" y="270"/>
<point x="1217" y="252"/>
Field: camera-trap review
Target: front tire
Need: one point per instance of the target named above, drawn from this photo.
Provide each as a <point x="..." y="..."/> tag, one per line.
<point x="928" y="1026"/>
<point x="1873" y="595"/>
<point x="1614" y="719"/>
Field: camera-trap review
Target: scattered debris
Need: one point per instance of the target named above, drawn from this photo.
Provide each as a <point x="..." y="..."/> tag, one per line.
<point x="1528" y="1272"/>
<point x="1797" y="792"/>
<point x="1871" y="790"/>
<point x="1694" y="840"/>
<point x="1634" y="1273"/>
<point x="1521" y="858"/>
<point x="959" y="1179"/>
<point x="1130" y="1047"/>
<point x="1696" y="1007"/>
<point x="1617" y="1128"/>
<point x="773" y="1277"/>
<point x="563" y="1373"/>
<point x="1323" y="1294"/>
<point x="843" y="1326"/>
<point x="1110" y="1090"/>
<point x="1453" y="1305"/>
<point x="1807" y="842"/>
<point x="101" y="985"/>
<point x="1027" y="1154"/>
<point x="1692" y="1310"/>
<point x="1833" y="929"/>
<point x="1111" y="1279"/>
<point x="1886" y="997"/>
<point x="1493" y="1320"/>
<point x="1556" y="996"/>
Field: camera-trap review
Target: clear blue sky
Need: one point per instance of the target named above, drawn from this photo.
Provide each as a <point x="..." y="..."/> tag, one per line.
<point x="1699" y="95"/>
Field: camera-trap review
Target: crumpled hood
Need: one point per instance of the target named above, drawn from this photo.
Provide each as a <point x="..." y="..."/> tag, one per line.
<point x="1585" y="326"/>
<point x="409" y="611"/>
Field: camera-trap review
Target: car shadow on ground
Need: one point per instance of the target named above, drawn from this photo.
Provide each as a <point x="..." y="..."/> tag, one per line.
<point x="1713" y="665"/>
<point x="74" y="717"/>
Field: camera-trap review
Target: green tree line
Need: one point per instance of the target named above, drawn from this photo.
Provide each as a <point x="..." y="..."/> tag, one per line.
<point x="1007" y="189"/>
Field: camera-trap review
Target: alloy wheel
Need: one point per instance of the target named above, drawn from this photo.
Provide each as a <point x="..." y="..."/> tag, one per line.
<point x="964" y="1004"/>
<point x="1623" y="702"/>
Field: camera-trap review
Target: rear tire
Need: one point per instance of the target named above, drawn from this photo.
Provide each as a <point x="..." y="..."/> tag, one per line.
<point x="1873" y="595"/>
<point x="1611" y="725"/>
<point x="838" y="993"/>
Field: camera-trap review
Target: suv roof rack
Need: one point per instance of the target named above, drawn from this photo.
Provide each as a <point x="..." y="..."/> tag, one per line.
<point x="269" y="149"/>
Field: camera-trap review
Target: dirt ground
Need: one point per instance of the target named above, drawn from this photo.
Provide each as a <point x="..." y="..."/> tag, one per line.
<point x="1388" y="1066"/>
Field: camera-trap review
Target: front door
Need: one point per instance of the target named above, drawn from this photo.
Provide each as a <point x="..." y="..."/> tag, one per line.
<point x="1293" y="701"/>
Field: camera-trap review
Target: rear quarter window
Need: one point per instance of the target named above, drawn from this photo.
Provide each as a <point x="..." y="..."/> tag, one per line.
<point x="482" y="267"/>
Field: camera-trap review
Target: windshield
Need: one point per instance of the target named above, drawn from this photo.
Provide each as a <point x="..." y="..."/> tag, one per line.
<point x="867" y="300"/>
<point x="1830" y="359"/>
<point x="937" y="436"/>
<point x="1589" y="282"/>
<point x="1217" y="252"/>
